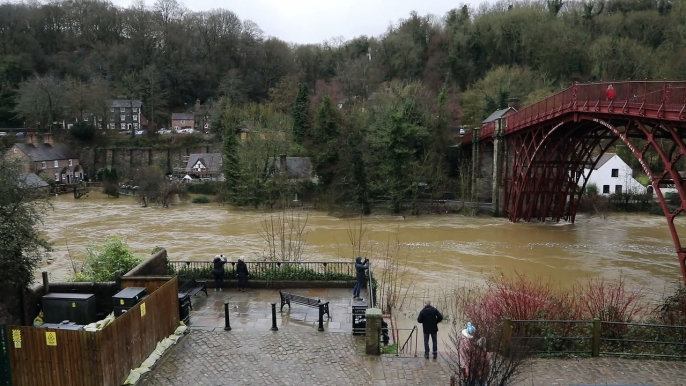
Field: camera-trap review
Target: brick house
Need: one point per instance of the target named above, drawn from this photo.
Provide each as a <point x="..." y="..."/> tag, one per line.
<point x="125" y="114"/>
<point x="182" y="121"/>
<point x="52" y="159"/>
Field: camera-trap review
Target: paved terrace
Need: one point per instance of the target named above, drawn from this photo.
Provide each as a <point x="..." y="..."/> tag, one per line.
<point x="251" y="354"/>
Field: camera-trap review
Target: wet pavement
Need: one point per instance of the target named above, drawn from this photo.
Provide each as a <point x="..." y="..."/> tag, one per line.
<point x="252" y="310"/>
<point x="297" y="354"/>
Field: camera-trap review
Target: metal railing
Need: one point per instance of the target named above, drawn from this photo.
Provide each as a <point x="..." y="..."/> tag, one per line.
<point x="370" y="288"/>
<point x="407" y="344"/>
<point x="597" y="338"/>
<point x="263" y="270"/>
<point x="635" y="98"/>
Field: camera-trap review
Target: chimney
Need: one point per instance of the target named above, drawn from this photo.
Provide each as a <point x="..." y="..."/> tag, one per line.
<point x="47" y="139"/>
<point x="282" y="162"/>
<point x="32" y="138"/>
<point x="514" y="102"/>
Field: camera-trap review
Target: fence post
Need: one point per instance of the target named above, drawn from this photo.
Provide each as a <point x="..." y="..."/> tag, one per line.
<point x="507" y="333"/>
<point x="274" y="328"/>
<point x="227" y="326"/>
<point x="595" y="350"/>
<point x="373" y="331"/>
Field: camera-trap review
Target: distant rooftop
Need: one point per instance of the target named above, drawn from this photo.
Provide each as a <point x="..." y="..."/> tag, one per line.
<point x="119" y="103"/>
<point x="498" y="114"/>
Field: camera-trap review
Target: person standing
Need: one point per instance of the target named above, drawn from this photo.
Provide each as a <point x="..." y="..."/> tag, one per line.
<point x="473" y="358"/>
<point x="429" y="317"/>
<point x="610" y="93"/>
<point x="218" y="272"/>
<point x="360" y="268"/>
<point x="242" y="275"/>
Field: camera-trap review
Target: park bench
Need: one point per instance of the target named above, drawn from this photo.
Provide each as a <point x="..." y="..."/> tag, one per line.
<point x="287" y="298"/>
<point x="192" y="287"/>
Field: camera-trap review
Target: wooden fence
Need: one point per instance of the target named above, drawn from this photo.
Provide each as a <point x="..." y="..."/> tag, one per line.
<point x="74" y="358"/>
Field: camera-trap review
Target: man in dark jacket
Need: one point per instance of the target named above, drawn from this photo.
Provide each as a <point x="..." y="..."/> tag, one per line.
<point x="360" y="268"/>
<point x="429" y="317"/>
<point x="218" y="271"/>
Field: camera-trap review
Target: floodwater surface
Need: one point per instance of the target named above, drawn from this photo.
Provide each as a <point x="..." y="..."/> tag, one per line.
<point x="441" y="250"/>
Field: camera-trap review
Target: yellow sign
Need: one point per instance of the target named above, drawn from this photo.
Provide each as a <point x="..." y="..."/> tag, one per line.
<point x="121" y="301"/>
<point x="142" y="309"/>
<point x="17" y="344"/>
<point x="73" y="305"/>
<point x="51" y="338"/>
<point x="16" y="335"/>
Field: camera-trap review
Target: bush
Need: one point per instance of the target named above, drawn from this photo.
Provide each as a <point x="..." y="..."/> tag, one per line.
<point x="201" y="200"/>
<point x="82" y="131"/>
<point x="103" y="261"/>
<point x="207" y="188"/>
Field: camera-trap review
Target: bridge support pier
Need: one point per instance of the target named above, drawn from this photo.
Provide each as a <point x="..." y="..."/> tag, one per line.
<point x="498" y="167"/>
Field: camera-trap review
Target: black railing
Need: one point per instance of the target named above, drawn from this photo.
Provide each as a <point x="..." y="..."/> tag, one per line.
<point x="264" y="270"/>
<point x="596" y="338"/>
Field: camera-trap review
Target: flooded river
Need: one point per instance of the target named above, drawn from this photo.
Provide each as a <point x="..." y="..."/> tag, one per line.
<point x="443" y="250"/>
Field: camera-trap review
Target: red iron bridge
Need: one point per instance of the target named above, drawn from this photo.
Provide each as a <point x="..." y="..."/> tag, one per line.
<point x="543" y="154"/>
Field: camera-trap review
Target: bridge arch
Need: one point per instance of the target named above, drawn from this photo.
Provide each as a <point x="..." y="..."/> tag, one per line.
<point x="549" y="160"/>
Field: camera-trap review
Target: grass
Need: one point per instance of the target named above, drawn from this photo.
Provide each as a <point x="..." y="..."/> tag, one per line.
<point x="390" y="349"/>
<point x="643" y="179"/>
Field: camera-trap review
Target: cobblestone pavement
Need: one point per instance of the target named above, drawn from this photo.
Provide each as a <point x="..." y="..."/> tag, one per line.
<point x="292" y="357"/>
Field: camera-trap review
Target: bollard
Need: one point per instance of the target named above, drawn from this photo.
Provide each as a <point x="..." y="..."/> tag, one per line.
<point x="274" y="328"/>
<point x="227" y="327"/>
<point x="321" y="317"/>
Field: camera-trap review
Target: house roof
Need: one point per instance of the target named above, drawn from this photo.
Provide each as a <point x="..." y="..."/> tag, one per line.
<point x="212" y="161"/>
<point x="498" y="114"/>
<point x="45" y="152"/>
<point x="603" y="160"/>
<point x="185" y="116"/>
<point x="31" y="180"/>
<point x="125" y="103"/>
<point x="296" y="167"/>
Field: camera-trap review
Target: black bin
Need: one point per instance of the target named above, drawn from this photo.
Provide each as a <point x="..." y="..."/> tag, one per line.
<point x="184" y="308"/>
<point x="359" y="321"/>
<point x="76" y="308"/>
<point x="128" y="297"/>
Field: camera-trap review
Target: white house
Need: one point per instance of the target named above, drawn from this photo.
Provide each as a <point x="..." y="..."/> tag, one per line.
<point x="612" y="175"/>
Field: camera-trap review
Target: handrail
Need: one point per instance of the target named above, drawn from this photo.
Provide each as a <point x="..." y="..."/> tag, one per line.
<point x="638" y="97"/>
<point x="265" y="270"/>
<point x="414" y="328"/>
<point x="370" y="288"/>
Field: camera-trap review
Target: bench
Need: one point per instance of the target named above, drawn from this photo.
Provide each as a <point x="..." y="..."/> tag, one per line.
<point x="287" y="298"/>
<point x="192" y="287"/>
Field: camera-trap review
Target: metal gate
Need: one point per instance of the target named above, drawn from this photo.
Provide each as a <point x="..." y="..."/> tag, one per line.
<point x="5" y="370"/>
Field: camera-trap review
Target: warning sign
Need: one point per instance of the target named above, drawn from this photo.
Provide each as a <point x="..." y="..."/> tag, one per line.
<point x="73" y="305"/>
<point x="142" y="309"/>
<point x="51" y="338"/>
<point x="121" y="301"/>
<point x="16" y="337"/>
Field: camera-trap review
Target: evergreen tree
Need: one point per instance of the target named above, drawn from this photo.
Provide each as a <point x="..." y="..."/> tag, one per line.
<point x="230" y="159"/>
<point x="325" y="142"/>
<point x="301" y="116"/>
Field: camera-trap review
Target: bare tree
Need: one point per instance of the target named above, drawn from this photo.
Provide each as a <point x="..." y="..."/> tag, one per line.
<point x="285" y="234"/>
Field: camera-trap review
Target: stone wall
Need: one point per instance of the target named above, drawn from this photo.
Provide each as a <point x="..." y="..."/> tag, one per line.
<point x="155" y="265"/>
<point x="127" y="160"/>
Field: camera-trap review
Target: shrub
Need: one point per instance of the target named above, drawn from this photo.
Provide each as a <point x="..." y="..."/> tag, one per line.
<point x="201" y="200"/>
<point x="207" y="188"/>
<point x="83" y="131"/>
<point x="103" y="261"/>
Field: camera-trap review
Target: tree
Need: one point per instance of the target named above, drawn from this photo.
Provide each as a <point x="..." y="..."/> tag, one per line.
<point x="149" y="181"/>
<point x="83" y="131"/>
<point x="22" y="245"/>
<point x="325" y="142"/>
<point x="40" y="101"/>
<point x="110" y="181"/>
<point x="300" y="114"/>
<point x="228" y="126"/>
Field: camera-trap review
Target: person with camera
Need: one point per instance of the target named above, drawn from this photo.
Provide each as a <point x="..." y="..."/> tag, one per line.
<point x="360" y="268"/>
<point x="218" y="272"/>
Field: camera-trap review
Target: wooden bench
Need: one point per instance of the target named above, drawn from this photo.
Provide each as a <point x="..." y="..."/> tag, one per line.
<point x="192" y="287"/>
<point x="287" y="298"/>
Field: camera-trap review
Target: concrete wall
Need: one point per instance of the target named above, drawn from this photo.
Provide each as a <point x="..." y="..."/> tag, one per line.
<point x="155" y="265"/>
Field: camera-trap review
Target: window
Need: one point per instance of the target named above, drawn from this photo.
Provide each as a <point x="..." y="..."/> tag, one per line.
<point x="122" y="117"/>
<point x="112" y="125"/>
<point x="135" y="117"/>
<point x="43" y="165"/>
<point x="57" y="176"/>
<point x="135" y="109"/>
<point x="112" y="119"/>
<point x="606" y="189"/>
<point x="56" y="163"/>
<point x="183" y="121"/>
<point x="135" y="126"/>
<point x="618" y="189"/>
<point x="100" y="119"/>
<point x="122" y="110"/>
<point x="14" y="150"/>
<point x="112" y="110"/>
<point x="70" y="163"/>
<point x="615" y="172"/>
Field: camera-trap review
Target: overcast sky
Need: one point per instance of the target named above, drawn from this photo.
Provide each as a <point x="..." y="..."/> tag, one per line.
<point x="313" y="21"/>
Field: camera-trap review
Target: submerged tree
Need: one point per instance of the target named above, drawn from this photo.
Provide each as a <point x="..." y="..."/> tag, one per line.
<point x="110" y="181"/>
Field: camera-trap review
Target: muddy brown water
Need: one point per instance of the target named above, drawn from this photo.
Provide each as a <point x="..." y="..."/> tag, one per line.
<point x="442" y="250"/>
